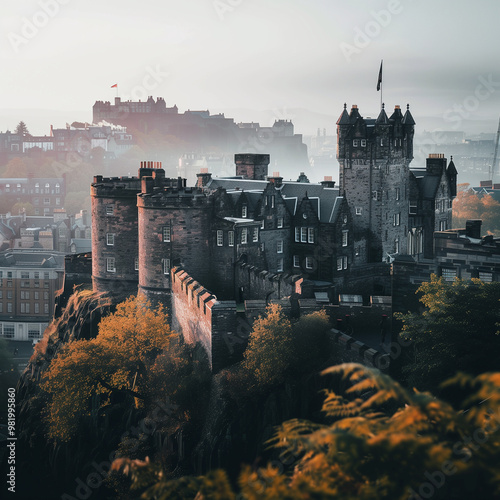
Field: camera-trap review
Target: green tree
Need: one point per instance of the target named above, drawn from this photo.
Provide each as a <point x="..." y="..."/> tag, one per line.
<point x="22" y="129"/>
<point x="458" y="330"/>
<point x="116" y="362"/>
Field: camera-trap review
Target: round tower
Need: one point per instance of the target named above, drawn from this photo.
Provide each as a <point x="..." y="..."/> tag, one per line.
<point x="114" y="235"/>
<point x="174" y="230"/>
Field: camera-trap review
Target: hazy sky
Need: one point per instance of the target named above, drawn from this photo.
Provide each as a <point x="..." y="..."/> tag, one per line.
<point x="440" y="56"/>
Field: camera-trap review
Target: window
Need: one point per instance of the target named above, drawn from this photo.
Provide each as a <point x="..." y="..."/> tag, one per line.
<point x="363" y="143"/>
<point x="244" y="211"/>
<point x="46" y="276"/>
<point x="398" y="193"/>
<point x="230" y="236"/>
<point x="359" y="210"/>
<point x="220" y="238"/>
<point x="255" y="236"/>
<point x="165" y="266"/>
<point x="279" y="269"/>
<point x="1" y="294"/>
<point x="25" y="284"/>
<point x="449" y="273"/>
<point x="110" y="239"/>
<point x="110" y="265"/>
<point x="37" y="308"/>
<point x="36" y="201"/>
<point x="136" y="264"/>
<point x="37" y="295"/>
<point x="47" y="187"/>
<point x="396" y="245"/>
<point x="46" y="295"/>
<point x="25" y="296"/>
<point x="279" y="246"/>
<point x="36" y="284"/>
<point x="296" y="261"/>
<point x="244" y="235"/>
<point x="8" y="331"/>
<point x="166" y="234"/>
<point x="339" y="264"/>
<point x="9" y="283"/>
<point x="110" y="209"/>
<point x="310" y="235"/>
<point x="280" y="222"/>
<point x="396" y="219"/>
<point x="262" y="247"/>
<point x="262" y="224"/>
<point x="34" y="332"/>
<point x="413" y="208"/>
<point x="25" y="307"/>
<point x="9" y="307"/>
<point x="345" y="238"/>
<point x="309" y="262"/>
<point x="25" y="275"/>
<point x="37" y="188"/>
<point x="355" y="143"/>
<point x="303" y="234"/>
<point x="9" y="294"/>
<point x="443" y="225"/>
<point x="344" y="262"/>
<point x="46" y="201"/>
<point x="488" y="277"/>
<point x="375" y="195"/>
<point x="273" y="198"/>
<point x="46" y="308"/>
<point x="58" y="188"/>
<point x="297" y="234"/>
<point x="58" y="201"/>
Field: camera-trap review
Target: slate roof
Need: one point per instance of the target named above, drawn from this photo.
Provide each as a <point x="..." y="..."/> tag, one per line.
<point x="32" y="258"/>
<point x="326" y="201"/>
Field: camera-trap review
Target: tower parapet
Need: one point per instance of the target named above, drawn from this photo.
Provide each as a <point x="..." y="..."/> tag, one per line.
<point x="374" y="157"/>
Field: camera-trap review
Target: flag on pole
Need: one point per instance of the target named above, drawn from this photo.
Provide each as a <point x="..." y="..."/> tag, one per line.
<point x="379" y="81"/>
<point x="114" y="86"/>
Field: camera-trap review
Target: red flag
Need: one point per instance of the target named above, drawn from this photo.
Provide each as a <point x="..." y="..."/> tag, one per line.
<point x="379" y="82"/>
<point x="114" y="86"/>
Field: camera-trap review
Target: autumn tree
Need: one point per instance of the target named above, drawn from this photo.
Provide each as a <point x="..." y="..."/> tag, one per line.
<point x="373" y="439"/>
<point x="276" y="347"/>
<point x="115" y="363"/>
<point x="458" y="330"/>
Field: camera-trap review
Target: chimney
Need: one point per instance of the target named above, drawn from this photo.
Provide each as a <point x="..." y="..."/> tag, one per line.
<point x="328" y="182"/>
<point x="147" y="184"/>
<point x="85" y="218"/>
<point x="252" y="166"/>
<point x="473" y="228"/>
<point x="118" y="100"/>
<point x="276" y="180"/>
<point x="203" y="178"/>
<point x="436" y="164"/>
<point x="485" y="184"/>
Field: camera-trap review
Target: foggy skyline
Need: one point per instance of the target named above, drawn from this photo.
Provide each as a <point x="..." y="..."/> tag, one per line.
<point x="60" y="56"/>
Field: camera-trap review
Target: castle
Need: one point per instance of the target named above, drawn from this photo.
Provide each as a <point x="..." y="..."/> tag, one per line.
<point x="255" y="236"/>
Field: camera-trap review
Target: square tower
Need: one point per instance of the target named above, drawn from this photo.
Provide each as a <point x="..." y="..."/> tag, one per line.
<point x="374" y="158"/>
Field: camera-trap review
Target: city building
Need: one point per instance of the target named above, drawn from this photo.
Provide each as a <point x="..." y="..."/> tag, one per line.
<point x="29" y="280"/>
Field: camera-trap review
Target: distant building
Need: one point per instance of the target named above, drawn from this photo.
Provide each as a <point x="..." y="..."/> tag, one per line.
<point x="45" y="194"/>
<point x="29" y="280"/>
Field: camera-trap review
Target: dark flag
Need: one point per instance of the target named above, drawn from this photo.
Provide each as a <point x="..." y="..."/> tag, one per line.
<point x="379" y="82"/>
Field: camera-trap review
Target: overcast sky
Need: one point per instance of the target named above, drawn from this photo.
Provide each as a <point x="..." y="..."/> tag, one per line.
<point x="442" y="57"/>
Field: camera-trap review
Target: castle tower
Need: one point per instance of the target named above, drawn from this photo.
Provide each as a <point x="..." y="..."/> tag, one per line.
<point x="114" y="235"/>
<point x="174" y="226"/>
<point x="374" y="157"/>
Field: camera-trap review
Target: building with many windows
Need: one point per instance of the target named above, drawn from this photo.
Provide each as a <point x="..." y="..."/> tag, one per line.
<point x="29" y="280"/>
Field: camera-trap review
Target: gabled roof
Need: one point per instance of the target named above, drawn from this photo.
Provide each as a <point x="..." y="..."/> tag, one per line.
<point x="408" y="118"/>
